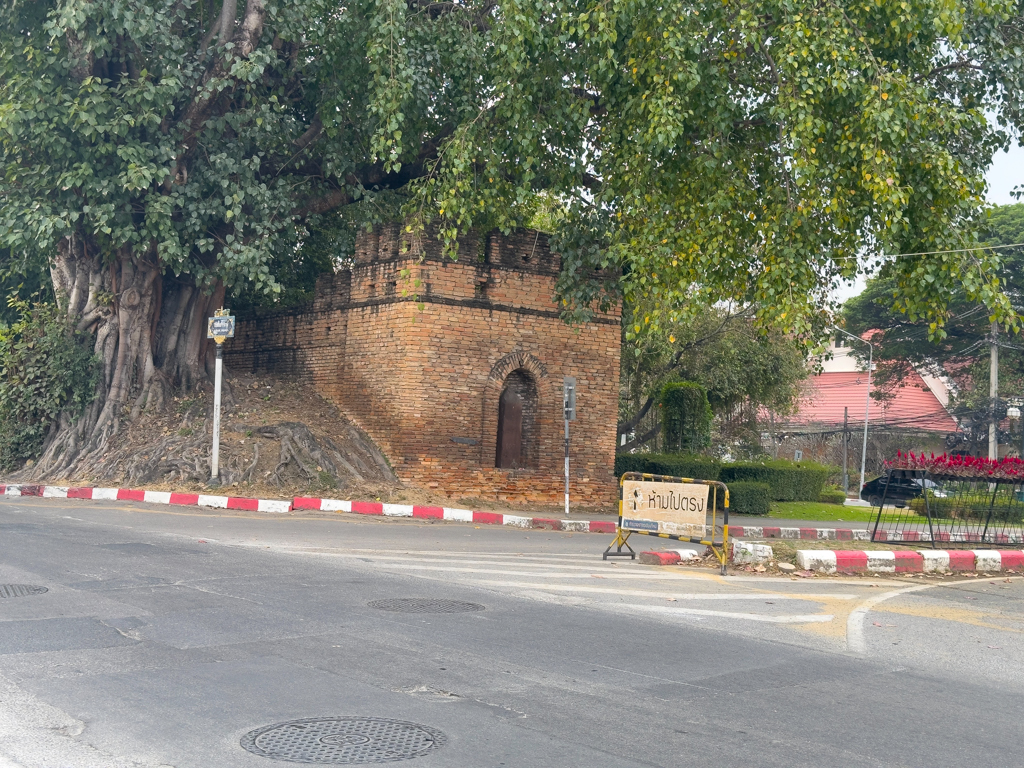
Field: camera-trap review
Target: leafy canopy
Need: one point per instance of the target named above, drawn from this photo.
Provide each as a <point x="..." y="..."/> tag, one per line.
<point x="709" y="150"/>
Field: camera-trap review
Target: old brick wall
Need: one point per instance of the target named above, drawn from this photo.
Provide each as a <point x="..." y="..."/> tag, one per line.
<point x="416" y="349"/>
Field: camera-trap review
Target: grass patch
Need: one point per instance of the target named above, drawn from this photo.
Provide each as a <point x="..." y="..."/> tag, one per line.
<point x="816" y="510"/>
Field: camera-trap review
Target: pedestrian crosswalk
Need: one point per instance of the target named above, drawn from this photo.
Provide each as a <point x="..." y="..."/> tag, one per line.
<point x="585" y="580"/>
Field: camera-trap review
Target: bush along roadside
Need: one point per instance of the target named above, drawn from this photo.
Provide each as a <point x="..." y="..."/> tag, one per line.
<point x="46" y="368"/>
<point x="789" y="481"/>
<point x="671" y="464"/>
<point x="832" y="496"/>
<point x="749" y="498"/>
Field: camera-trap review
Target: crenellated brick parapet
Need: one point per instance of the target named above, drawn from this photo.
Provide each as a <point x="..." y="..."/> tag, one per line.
<point x="418" y="350"/>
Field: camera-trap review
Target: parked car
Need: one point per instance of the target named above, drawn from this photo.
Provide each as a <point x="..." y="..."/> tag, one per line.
<point x="899" y="491"/>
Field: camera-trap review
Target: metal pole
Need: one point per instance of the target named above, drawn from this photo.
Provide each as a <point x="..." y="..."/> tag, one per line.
<point x="867" y="403"/>
<point x="993" y="394"/>
<point x="846" y="446"/>
<point x="566" y="413"/>
<point x="215" y="459"/>
<point x="867" y="413"/>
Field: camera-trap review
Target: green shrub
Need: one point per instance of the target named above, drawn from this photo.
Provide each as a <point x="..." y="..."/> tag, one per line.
<point x="832" y="496"/>
<point x="673" y="464"/>
<point x="971" y="507"/>
<point x="45" y="368"/>
<point x="749" y="498"/>
<point x="789" y="481"/>
<point x="685" y="416"/>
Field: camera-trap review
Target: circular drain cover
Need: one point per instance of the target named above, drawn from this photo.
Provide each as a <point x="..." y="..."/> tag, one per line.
<point x="343" y="740"/>
<point x="20" y="590"/>
<point x="424" y="605"/>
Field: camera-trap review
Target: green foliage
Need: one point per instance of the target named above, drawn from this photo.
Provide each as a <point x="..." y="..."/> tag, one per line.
<point x="45" y="368"/>
<point x="748" y="498"/>
<point x="709" y="151"/>
<point x="857" y="123"/>
<point x="789" y="481"/>
<point x="745" y="370"/>
<point x="22" y="278"/>
<point x="672" y="465"/>
<point x="685" y="416"/>
<point x="973" y="507"/>
<point x="832" y="496"/>
<point x="324" y="245"/>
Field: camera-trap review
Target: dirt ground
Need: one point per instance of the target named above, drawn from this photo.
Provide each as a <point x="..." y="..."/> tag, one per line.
<point x="253" y="462"/>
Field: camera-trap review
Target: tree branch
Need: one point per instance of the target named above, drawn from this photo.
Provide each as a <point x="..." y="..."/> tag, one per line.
<point x="335" y="198"/>
<point x="961" y="64"/>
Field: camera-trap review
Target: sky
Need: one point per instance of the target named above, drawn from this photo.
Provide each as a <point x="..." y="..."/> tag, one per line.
<point x="1005" y="173"/>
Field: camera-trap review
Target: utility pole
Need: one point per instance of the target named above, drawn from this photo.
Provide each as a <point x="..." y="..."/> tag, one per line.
<point x="993" y="394"/>
<point x="846" y="445"/>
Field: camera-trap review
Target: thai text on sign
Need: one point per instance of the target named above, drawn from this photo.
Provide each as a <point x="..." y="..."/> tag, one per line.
<point x="676" y="508"/>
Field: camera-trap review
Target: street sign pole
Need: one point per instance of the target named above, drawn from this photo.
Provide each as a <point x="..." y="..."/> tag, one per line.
<point x="220" y="327"/>
<point x="569" y="412"/>
<point x="215" y="458"/>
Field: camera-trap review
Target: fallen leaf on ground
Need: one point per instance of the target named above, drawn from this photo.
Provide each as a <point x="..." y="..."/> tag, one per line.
<point x="875" y="623"/>
<point x="595" y="576"/>
<point x="671" y="599"/>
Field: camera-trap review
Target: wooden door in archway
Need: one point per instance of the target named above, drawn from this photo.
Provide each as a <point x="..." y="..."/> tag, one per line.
<point x="510" y="430"/>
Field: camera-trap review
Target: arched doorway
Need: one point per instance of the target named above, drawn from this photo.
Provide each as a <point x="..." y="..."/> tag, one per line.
<point x="517" y="414"/>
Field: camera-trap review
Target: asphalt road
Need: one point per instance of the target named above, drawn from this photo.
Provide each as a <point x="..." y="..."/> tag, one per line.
<point x="166" y="636"/>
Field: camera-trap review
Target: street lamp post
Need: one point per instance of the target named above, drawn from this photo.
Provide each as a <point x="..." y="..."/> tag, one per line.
<point x="867" y="402"/>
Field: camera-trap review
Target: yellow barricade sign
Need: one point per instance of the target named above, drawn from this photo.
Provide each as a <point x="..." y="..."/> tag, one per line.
<point x="653" y="507"/>
<point x="679" y="508"/>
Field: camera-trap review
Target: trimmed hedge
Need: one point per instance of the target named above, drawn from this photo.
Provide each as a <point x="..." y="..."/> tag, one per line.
<point x="832" y="496"/>
<point x="789" y="481"/>
<point x="749" y="498"/>
<point x="672" y="464"/>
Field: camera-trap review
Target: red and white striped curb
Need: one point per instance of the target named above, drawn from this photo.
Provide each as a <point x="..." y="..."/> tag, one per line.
<point x="327" y="505"/>
<point x="458" y="515"/>
<point x="921" y="561"/>
<point x="767" y="532"/>
<point x="151" y="497"/>
<point x="862" y="534"/>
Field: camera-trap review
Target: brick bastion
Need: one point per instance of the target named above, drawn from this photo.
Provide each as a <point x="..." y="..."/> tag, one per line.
<point x="454" y="368"/>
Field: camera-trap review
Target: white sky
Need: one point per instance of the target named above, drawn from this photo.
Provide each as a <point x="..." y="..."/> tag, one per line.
<point x="1005" y="173"/>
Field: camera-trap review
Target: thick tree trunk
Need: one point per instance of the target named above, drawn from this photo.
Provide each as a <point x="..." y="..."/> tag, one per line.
<point x="150" y="336"/>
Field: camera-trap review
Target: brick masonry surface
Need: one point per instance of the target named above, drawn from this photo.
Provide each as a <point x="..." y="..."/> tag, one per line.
<point x="416" y="348"/>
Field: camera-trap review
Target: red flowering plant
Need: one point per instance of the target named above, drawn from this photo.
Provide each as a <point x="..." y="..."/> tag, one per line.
<point x="961" y="467"/>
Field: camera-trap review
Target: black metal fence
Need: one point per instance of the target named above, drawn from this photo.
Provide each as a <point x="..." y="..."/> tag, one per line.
<point x="948" y="511"/>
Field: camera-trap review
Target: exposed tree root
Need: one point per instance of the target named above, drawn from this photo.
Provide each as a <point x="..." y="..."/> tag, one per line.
<point x="172" y="446"/>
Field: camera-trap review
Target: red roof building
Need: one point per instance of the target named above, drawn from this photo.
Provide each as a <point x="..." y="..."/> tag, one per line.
<point x="919" y="405"/>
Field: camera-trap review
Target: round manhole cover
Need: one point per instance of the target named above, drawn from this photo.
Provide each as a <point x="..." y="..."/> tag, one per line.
<point x="20" y="590"/>
<point x="424" y="605"/>
<point x="343" y="741"/>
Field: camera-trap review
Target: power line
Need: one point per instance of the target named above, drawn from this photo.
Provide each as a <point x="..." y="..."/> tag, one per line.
<point x="956" y="250"/>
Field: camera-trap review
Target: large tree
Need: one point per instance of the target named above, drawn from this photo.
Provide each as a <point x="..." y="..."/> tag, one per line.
<point x="159" y="153"/>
